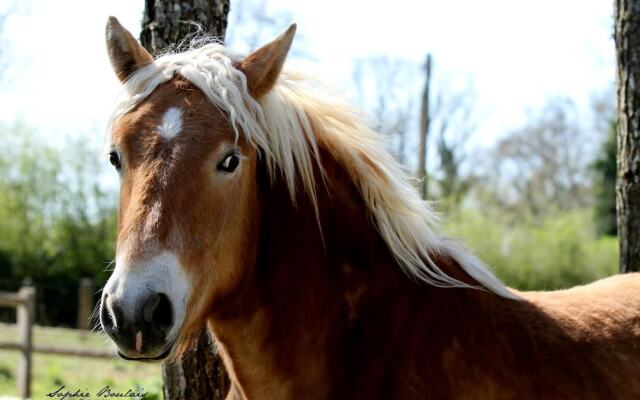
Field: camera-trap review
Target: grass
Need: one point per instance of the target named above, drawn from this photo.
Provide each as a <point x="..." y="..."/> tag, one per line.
<point x="87" y="374"/>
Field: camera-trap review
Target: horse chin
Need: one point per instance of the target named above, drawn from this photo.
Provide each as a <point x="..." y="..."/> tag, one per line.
<point x="168" y="351"/>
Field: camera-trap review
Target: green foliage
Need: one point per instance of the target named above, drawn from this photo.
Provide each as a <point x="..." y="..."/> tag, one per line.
<point x="56" y="224"/>
<point x="6" y="373"/>
<point x="558" y="252"/>
<point x="605" y="184"/>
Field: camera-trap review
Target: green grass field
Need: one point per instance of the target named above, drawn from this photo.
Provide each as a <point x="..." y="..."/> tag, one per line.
<point x="87" y="374"/>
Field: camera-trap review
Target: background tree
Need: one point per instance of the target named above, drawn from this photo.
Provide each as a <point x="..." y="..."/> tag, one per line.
<point x="425" y="126"/>
<point x="380" y="86"/>
<point x="542" y="167"/>
<point x="412" y="116"/>
<point x="200" y="374"/>
<point x="605" y="185"/>
<point x="453" y="125"/>
<point x="627" y="38"/>
<point x="453" y="184"/>
<point x="166" y="23"/>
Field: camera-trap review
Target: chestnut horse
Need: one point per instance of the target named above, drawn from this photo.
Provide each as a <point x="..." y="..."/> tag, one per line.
<point x="256" y="202"/>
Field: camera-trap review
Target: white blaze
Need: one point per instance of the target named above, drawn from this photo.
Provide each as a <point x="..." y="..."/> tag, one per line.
<point x="171" y="123"/>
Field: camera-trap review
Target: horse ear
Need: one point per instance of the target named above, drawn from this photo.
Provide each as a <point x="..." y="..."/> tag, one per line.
<point x="263" y="66"/>
<point x="125" y="53"/>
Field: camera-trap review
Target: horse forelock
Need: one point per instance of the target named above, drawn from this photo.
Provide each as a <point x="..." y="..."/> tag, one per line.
<point x="289" y="124"/>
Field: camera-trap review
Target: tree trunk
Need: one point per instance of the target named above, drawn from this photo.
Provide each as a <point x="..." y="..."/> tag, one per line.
<point x="425" y="120"/>
<point x="200" y="374"/>
<point x="627" y="38"/>
<point x="166" y="22"/>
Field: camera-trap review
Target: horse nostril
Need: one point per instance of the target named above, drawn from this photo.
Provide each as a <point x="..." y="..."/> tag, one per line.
<point x="157" y="310"/>
<point x="110" y="314"/>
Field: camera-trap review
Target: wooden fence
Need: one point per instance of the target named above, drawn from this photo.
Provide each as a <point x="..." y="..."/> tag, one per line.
<point x="24" y="302"/>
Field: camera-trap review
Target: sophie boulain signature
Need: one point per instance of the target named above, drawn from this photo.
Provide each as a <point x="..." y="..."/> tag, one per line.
<point x="105" y="393"/>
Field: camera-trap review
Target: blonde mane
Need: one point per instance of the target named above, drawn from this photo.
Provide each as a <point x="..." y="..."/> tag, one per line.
<point x="289" y="124"/>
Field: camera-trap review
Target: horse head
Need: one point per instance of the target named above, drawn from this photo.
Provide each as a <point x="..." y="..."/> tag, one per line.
<point x="187" y="212"/>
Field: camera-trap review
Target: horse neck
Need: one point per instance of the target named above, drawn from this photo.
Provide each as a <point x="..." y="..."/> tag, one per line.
<point x="317" y="289"/>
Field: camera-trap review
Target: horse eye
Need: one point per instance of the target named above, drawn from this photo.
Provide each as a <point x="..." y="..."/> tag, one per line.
<point x="114" y="159"/>
<point x="230" y="163"/>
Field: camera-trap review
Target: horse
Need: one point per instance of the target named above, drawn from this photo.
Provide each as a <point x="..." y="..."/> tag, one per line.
<point x="255" y="202"/>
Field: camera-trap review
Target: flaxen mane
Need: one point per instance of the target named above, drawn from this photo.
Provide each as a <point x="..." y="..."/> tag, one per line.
<point x="290" y="124"/>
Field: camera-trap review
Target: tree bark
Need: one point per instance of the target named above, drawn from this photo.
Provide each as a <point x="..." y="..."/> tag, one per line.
<point x="167" y="22"/>
<point x="627" y="38"/>
<point x="200" y="374"/>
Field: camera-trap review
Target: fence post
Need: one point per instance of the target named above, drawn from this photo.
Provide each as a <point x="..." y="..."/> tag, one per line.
<point x="85" y="303"/>
<point x="25" y="320"/>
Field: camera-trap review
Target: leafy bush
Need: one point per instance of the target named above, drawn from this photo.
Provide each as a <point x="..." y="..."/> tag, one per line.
<point x="56" y="224"/>
<point x="556" y="252"/>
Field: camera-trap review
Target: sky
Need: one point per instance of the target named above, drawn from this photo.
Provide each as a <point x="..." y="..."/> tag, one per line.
<point x="517" y="54"/>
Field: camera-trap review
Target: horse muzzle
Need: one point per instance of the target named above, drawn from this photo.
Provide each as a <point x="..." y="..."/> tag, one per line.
<point x="141" y="334"/>
<point x="143" y="307"/>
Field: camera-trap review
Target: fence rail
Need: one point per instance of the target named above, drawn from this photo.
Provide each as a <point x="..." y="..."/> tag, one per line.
<point x="10" y="299"/>
<point x="60" y="351"/>
<point x="24" y="302"/>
